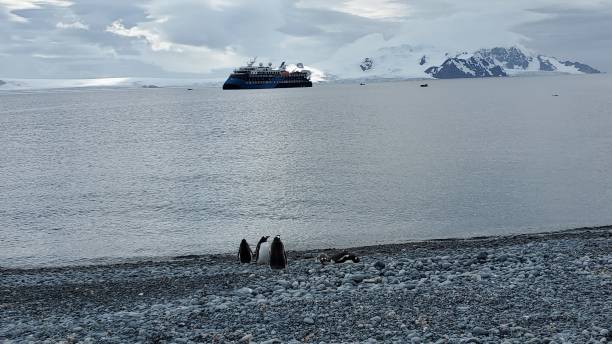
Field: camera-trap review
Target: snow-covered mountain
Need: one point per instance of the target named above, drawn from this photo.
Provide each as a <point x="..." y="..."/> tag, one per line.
<point x="395" y="62"/>
<point x="408" y="61"/>
<point x="473" y="67"/>
<point x="516" y="61"/>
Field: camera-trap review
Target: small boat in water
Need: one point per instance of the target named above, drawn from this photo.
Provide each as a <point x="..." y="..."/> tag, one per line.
<point x="424" y="85"/>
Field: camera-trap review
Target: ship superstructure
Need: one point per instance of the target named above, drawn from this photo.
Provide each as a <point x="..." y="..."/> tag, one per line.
<point x="254" y="76"/>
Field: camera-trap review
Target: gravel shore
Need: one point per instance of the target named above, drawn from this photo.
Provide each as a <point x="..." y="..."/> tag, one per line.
<point x="534" y="288"/>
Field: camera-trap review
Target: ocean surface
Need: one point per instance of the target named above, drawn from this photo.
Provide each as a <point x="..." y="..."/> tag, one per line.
<point x="94" y="175"/>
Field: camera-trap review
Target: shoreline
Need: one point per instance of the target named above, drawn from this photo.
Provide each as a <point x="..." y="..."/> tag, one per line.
<point x="426" y="243"/>
<point x="527" y="288"/>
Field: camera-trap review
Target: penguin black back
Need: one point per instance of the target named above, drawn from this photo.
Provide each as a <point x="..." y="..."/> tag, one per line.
<point x="245" y="252"/>
<point x="261" y="241"/>
<point x="278" y="257"/>
<point x="344" y="256"/>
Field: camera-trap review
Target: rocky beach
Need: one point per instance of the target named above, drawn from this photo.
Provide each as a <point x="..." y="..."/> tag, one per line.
<point x="531" y="288"/>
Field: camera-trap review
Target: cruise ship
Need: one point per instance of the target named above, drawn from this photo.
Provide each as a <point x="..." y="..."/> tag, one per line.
<point x="260" y="76"/>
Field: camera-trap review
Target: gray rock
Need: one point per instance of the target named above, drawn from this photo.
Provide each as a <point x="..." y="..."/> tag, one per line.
<point x="479" y="331"/>
<point x="357" y="278"/>
<point x="246" y="339"/>
<point x="244" y="291"/>
<point x="102" y="302"/>
<point x="272" y="341"/>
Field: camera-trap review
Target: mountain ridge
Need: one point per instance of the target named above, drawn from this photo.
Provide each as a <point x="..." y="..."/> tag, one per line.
<point x="407" y="61"/>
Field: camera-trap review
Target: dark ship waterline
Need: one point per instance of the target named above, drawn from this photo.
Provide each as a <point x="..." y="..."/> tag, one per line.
<point x="259" y="77"/>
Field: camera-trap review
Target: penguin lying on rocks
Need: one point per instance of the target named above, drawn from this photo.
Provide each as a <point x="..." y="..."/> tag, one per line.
<point x="345" y="256"/>
<point x="244" y="253"/>
<point x="278" y="257"/>
<point x="323" y="258"/>
<point x="262" y="251"/>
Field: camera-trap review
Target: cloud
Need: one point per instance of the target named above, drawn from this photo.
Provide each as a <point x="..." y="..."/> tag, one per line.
<point x="176" y="57"/>
<point x="578" y="35"/>
<point x="74" y="25"/>
<point x="382" y="9"/>
<point x="12" y="6"/>
<point x="152" y="38"/>
<point x="63" y="38"/>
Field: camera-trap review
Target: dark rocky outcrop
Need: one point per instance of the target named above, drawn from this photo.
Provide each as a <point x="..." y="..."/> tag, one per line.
<point x="545" y="64"/>
<point x="510" y="57"/>
<point x="423" y="60"/>
<point x="581" y="67"/>
<point x="474" y="67"/>
<point x="366" y="64"/>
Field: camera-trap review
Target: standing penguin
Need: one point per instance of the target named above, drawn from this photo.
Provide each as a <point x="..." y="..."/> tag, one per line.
<point x="244" y="253"/>
<point x="263" y="240"/>
<point x="263" y="255"/>
<point x="278" y="257"/>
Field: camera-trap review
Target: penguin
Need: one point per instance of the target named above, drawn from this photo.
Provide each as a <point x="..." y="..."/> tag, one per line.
<point x="263" y="257"/>
<point x="323" y="259"/>
<point x="244" y="253"/>
<point x="263" y="240"/>
<point x="278" y="257"/>
<point x="345" y="256"/>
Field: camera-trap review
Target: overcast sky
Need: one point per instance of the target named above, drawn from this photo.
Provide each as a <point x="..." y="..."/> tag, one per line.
<point x="174" y="38"/>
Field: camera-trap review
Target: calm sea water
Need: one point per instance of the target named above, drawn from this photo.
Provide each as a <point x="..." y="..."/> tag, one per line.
<point x="105" y="174"/>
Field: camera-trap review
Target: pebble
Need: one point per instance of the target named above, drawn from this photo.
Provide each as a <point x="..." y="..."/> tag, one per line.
<point x="309" y="320"/>
<point x="379" y="265"/>
<point x="441" y="295"/>
<point x="272" y="341"/>
<point x="479" y="331"/>
<point x="246" y="339"/>
<point x="375" y="320"/>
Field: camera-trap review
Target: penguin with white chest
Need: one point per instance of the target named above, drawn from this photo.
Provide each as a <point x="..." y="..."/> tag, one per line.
<point x="262" y="251"/>
<point x="278" y="257"/>
<point x="345" y="256"/>
<point x="245" y="254"/>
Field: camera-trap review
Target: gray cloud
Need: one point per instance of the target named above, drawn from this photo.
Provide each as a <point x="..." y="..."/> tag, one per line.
<point x="54" y="38"/>
<point x="575" y="35"/>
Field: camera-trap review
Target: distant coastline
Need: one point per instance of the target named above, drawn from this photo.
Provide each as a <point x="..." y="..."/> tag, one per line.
<point x="16" y="84"/>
